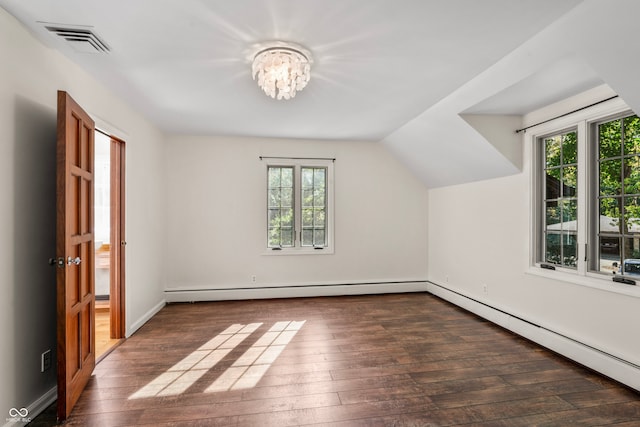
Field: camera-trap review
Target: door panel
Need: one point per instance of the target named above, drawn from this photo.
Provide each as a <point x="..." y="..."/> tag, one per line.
<point x="74" y="250"/>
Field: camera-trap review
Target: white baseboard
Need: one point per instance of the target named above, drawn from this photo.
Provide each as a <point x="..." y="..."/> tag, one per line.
<point x="289" y="291"/>
<point x="600" y="361"/>
<point x="145" y="318"/>
<point x="34" y="409"/>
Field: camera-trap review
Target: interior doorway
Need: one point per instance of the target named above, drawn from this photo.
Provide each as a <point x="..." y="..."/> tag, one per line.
<point x="109" y="242"/>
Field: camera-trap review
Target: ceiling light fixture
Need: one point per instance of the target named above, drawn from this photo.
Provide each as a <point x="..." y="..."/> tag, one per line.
<point x="282" y="69"/>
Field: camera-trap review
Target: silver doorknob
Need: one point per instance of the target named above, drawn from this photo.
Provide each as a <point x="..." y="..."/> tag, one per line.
<point x="75" y="260"/>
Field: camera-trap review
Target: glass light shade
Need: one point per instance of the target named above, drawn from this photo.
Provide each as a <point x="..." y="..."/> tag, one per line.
<point x="281" y="71"/>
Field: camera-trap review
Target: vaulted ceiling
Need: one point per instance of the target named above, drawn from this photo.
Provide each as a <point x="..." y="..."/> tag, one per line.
<point x="422" y="77"/>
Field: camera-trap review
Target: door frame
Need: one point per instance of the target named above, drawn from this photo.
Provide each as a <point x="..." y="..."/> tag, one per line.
<point x="118" y="240"/>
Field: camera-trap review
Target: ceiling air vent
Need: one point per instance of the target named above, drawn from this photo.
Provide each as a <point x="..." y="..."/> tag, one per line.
<point x="82" y="39"/>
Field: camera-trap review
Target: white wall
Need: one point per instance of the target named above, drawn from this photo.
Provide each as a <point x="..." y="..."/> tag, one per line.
<point x="216" y="223"/>
<point x="30" y="76"/>
<point x="479" y="234"/>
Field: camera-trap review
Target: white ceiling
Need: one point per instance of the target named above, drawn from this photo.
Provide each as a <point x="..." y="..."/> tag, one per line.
<point x="377" y="63"/>
<point x="441" y="83"/>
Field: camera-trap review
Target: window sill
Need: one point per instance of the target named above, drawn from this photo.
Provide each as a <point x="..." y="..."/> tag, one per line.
<point x="298" y="251"/>
<point x="603" y="283"/>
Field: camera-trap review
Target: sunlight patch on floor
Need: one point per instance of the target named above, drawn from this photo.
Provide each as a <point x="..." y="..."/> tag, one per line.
<point x="178" y="378"/>
<point x="249" y="368"/>
<point x="245" y="372"/>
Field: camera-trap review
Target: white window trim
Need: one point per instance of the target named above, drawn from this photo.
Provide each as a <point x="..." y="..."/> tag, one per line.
<point x="297" y="163"/>
<point x="581" y="121"/>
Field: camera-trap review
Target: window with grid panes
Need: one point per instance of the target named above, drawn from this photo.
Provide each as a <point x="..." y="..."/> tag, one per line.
<point x="299" y="206"/>
<point x="560" y="199"/>
<point x="618" y="203"/>
<point x="587" y="204"/>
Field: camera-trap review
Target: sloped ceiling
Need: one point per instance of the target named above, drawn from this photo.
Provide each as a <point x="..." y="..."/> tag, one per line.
<point x="586" y="48"/>
<point x="441" y="83"/>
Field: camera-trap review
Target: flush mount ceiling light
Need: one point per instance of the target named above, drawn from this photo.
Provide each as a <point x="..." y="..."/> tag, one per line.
<point x="281" y="69"/>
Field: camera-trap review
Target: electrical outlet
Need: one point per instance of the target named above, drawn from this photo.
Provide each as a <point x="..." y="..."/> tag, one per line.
<point x="446" y="278"/>
<point x="485" y="288"/>
<point x="253" y="278"/>
<point x="45" y="361"/>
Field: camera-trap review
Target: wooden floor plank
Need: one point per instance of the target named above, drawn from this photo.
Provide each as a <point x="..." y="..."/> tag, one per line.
<point x="379" y="360"/>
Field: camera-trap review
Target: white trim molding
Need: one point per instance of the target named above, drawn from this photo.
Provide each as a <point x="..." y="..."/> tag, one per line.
<point x="623" y="371"/>
<point x="293" y="291"/>
<point x="35" y="408"/>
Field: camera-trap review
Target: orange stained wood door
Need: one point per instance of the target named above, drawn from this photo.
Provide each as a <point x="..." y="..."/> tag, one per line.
<point x="74" y="252"/>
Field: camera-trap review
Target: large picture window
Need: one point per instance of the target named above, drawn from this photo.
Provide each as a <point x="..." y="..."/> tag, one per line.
<point x="299" y="205"/>
<point x="587" y="193"/>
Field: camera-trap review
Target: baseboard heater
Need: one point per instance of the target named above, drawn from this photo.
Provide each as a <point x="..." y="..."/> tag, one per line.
<point x="623" y="371"/>
<point x="293" y="290"/>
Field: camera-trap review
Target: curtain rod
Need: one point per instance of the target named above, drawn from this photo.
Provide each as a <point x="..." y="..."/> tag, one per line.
<point x="299" y="158"/>
<point x="566" y="114"/>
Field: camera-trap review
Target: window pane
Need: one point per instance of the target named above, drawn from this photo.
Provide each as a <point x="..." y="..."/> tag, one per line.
<point x="609" y="254"/>
<point x="631" y="135"/>
<point x="286" y="197"/>
<point x="274" y="177"/>
<point x="274" y="198"/>
<point x="569" y="214"/>
<point x="286" y="217"/>
<point x="318" y="236"/>
<point x="569" y="181"/>
<point x="631" y="251"/>
<point x="569" y="250"/>
<point x="318" y="177"/>
<point x="610" y="177"/>
<point x="631" y="215"/>
<point x="274" y="218"/>
<point x="307" y="217"/>
<point x="287" y="177"/>
<point x="569" y="148"/>
<point x="287" y="237"/>
<point x="632" y="175"/>
<point x="610" y="139"/>
<point x="553" y="215"/>
<point x="307" y="178"/>
<point x="631" y="266"/>
<point x="552" y="151"/>
<point x="552" y="184"/>
<point x="610" y="214"/>
<point x="552" y="248"/>
<point x="307" y="237"/>
<point x="274" y="238"/>
<point x="318" y="218"/>
<point x="307" y="198"/>
<point x="630" y="255"/>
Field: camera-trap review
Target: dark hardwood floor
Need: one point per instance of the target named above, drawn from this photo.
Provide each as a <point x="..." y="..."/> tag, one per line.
<point x="385" y="360"/>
